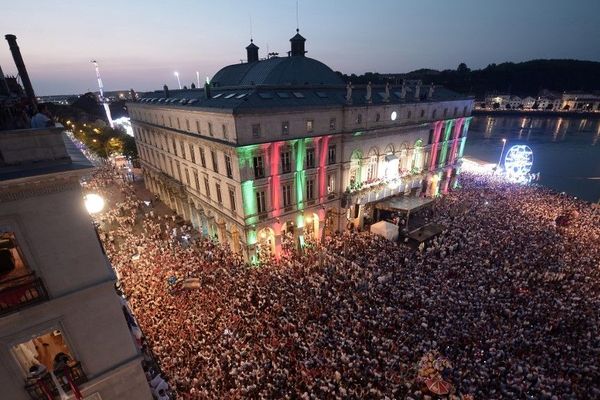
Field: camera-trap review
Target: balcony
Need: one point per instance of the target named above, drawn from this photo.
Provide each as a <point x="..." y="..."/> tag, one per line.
<point x="44" y="387"/>
<point x="21" y="292"/>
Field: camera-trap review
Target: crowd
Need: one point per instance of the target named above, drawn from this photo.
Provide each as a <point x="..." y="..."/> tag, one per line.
<point x="504" y="296"/>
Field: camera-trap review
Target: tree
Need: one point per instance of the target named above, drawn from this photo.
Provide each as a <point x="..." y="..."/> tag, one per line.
<point x="463" y="69"/>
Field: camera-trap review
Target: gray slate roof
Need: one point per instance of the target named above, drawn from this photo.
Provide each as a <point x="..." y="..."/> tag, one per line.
<point x="277" y="71"/>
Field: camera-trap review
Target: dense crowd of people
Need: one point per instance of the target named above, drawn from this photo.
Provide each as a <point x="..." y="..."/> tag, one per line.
<point x="505" y="297"/>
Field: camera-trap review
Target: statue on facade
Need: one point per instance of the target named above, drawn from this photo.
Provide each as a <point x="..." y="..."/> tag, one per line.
<point x="368" y="96"/>
<point x="349" y="93"/>
<point x="386" y="96"/>
<point x="430" y="92"/>
<point x="403" y="92"/>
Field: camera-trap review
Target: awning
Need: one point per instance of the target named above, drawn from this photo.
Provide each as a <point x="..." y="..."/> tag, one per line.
<point x="385" y="229"/>
<point x="404" y="203"/>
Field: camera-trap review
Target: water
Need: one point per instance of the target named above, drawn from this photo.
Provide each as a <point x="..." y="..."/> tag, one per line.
<point x="566" y="151"/>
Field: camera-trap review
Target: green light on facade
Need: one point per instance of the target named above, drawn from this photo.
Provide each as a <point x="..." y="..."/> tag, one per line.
<point x="300" y="173"/>
<point x="444" y="152"/>
<point x="251" y="240"/>
<point x="249" y="200"/>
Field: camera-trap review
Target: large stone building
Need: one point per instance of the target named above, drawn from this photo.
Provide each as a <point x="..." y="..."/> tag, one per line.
<point x="282" y="148"/>
<point x="62" y="326"/>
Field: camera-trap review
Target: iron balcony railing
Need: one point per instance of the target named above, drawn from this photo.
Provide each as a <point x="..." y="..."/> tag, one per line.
<point x="44" y="387"/>
<point x="21" y="292"/>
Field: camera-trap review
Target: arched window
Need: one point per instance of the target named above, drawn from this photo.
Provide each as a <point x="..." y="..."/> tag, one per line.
<point x="417" y="164"/>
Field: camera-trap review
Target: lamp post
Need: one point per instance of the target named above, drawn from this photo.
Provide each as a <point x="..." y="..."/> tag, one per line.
<point x="501" y="153"/>
<point x="178" y="81"/>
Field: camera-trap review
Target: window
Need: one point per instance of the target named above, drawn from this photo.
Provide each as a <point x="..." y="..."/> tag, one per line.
<point x="331" y="183"/>
<point x="218" y="189"/>
<point x="210" y="131"/>
<point x="255" y="130"/>
<point x="283" y="95"/>
<point x="206" y="187"/>
<point x="359" y="118"/>
<point x="162" y="119"/>
<point x="187" y="124"/>
<point x="445" y="112"/>
<point x="332" y="124"/>
<point x="287" y="195"/>
<point x="331" y="154"/>
<point x="259" y="170"/>
<point x="174" y="146"/>
<point x="215" y="161"/>
<point x="285" y="127"/>
<point x="170" y="122"/>
<point x="232" y="198"/>
<point x="53" y="355"/>
<point x="261" y="205"/>
<point x="192" y="154"/>
<point x="422" y="113"/>
<point x="202" y="158"/>
<point x="464" y="110"/>
<point x="309" y="125"/>
<point x="182" y="148"/>
<point x="433" y="114"/>
<point x="179" y="176"/>
<point x="372" y="168"/>
<point x="310" y="186"/>
<point x="298" y="95"/>
<point x="228" y="166"/>
<point x="377" y="117"/>
<point x="187" y="176"/>
<point x="455" y="111"/>
<point x="198" y="127"/>
<point x="225" y="135"/>
<point x="230" y="95"/>
<point x="18" y="283"/>
<point x="310" y="158"/>
<point x="286" y="162"/>
<point x="409" y="115"/>
<point x="196" y="181"/>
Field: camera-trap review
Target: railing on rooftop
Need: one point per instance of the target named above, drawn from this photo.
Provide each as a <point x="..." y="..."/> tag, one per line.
<point x="21" y="292"/>
<point x="44" y="387"/>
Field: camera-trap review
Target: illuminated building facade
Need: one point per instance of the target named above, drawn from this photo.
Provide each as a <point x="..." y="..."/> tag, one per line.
<point x="280" y="150"/>
<point x="62" y="329"/>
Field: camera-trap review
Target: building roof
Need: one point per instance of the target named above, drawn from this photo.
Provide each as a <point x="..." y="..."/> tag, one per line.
<point x="249" y="98"/>
<point x="277" y="71"/>
<point x="72" y="161"/>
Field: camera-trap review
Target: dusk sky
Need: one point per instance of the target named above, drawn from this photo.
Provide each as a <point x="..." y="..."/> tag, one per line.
<point x="139" y="44"/>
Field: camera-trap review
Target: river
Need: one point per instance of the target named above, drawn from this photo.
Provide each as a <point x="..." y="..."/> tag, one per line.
<point x="566" y="151"/>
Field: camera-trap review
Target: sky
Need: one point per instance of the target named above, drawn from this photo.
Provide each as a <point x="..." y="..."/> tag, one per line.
<point x="140" y="43"/>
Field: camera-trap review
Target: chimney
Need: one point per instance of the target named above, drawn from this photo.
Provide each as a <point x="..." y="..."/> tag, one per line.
<point x="16" y="53"/>
<point x="3" y="85"/>
<point x="252" y="52"/>
<point x="166" y="89"/>
<point x="297" y="44"/>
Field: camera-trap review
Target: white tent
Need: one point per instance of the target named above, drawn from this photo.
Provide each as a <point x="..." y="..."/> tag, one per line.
<point x="385" y="229"/>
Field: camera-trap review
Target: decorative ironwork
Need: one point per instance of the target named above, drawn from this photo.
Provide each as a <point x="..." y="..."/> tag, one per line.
<point x="20" y="292"/>
<point x="39" y="388"/>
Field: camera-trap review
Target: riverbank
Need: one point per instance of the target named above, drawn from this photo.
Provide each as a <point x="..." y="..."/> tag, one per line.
<point x="536" y="113"/>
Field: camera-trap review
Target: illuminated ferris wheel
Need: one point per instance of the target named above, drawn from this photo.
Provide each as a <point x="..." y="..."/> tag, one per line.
<point x="518" y="162"/>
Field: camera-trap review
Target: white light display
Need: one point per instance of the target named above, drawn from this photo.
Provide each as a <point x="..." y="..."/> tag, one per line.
<point x="518" y="162"/>
<point x="394" y="115"/>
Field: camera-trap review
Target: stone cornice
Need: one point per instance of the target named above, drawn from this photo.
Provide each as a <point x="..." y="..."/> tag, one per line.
<point x="38" y="186"/>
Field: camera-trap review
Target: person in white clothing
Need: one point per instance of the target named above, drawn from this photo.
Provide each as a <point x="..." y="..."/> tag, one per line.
<point x="42" y="118"/>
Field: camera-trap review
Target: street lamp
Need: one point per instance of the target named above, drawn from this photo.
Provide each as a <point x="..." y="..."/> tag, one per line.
<point x="178" y="81"/>
<point x="502" y="152"/>
<point x="93" y="203"/>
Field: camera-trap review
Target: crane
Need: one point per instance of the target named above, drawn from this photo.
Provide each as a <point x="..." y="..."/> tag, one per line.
<point x="102" y="98"/>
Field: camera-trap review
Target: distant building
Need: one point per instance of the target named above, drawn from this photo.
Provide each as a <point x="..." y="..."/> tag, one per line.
<point x="282" y="148"/>
<point x="580" y="101"/>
